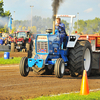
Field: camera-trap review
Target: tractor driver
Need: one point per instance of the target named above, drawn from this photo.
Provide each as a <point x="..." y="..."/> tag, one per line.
<point x="61" y="28"/>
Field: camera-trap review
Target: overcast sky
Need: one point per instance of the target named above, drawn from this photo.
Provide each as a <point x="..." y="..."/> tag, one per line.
<point x="88" y="9"/>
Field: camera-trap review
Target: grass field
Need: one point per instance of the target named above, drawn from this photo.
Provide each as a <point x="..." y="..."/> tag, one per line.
<point x="72" y="96"/>
<point x="15" y="60"/>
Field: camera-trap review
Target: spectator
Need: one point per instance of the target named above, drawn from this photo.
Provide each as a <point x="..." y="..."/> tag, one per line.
<point x="6" y="41"/>
<point x="1" y="41"/>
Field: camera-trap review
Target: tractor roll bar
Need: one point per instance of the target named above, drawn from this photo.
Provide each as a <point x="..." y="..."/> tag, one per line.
<point x="70" y="16"/>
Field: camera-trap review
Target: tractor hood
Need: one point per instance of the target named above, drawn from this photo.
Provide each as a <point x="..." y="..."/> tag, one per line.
<point x="20" y="39"/>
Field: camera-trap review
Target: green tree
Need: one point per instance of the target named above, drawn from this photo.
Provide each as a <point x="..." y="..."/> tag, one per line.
<point x="7" y="13"/>
<point x="1" y="29"/>
<point x="1" y="8"/>
<point x="13" y="30"/>
<point x="29" y="28"/>
<point x="23" y="28"/>
<point x="40" y="23"/>
<point x="5" y="28"/>
<point x="2" y="13"/>
<point x="81" y="25"/>
<point x="20" y="27"/>
<point x="34" y="29"/>
<point x="88" y="26"/>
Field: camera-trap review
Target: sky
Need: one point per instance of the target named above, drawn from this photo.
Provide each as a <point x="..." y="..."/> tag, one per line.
<point x="87" y="9"/>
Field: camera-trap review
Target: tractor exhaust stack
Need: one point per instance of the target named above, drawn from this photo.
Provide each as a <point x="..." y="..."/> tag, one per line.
<point x="54" y="27"/>
<point x="54" y="18"/>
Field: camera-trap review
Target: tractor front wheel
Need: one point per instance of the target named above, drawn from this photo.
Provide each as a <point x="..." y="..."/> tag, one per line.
<point x="59" y="68"/>
<point x="23" y="66"/>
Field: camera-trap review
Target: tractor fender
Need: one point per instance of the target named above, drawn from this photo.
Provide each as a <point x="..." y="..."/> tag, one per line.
<point x="72" y="40"/>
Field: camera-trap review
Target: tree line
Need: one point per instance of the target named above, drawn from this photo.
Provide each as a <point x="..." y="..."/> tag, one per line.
<point x="4" y="18"/>
<point x="39" y="24"/>
<point x="2" y="13"/>
<point x="88" y="26"/>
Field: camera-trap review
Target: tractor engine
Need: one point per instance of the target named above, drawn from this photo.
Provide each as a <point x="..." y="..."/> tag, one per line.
<point x="47" y="44"/>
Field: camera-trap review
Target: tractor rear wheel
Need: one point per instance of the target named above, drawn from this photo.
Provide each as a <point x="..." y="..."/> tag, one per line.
<point x="12" y="47"/>
<point x="27" y="46"/>
<point x="29" y="54"/>
<point x="80" y="58"/>
<point x="17" y="50"/>
<point x="59" y="68"/>
<point x="23" y="66"/>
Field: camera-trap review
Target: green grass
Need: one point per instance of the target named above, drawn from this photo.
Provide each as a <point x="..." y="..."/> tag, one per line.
<point x="15" y="60"/>
<point x="72" y="96"/>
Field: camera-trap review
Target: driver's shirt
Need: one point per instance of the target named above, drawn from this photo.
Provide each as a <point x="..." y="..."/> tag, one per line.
<point x="61" y="28"/>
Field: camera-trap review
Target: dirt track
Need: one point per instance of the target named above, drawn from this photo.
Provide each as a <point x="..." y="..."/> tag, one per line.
<point x="15" y="54"/>
<point x="14" y="86"/>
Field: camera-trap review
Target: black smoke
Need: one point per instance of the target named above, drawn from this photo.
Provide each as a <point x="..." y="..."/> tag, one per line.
<point x="55" y="5"/>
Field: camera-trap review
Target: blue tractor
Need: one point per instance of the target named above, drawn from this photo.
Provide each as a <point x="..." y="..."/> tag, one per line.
<point x="50" y="57"/>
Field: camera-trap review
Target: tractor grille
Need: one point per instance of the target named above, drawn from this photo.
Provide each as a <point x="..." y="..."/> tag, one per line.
<point x="42" y="47"/>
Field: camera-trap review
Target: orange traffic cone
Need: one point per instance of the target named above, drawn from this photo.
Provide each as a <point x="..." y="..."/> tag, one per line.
<point x="84" y="85"/>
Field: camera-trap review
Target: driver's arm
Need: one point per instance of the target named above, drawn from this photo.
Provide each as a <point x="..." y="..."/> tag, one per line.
<point x="60" y="27"/>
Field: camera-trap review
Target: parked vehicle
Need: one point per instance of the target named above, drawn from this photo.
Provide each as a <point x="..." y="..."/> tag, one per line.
<point x="22" y="40"/>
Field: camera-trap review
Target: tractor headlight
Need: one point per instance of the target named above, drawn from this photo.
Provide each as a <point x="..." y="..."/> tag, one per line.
<point x="72" y="38"/>
<point x="19" y="42"/>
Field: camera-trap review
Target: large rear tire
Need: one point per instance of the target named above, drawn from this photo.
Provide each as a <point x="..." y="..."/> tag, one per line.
<point x="23" y="66"/>
<point x="12" y="47"/>
<point x="80" y="58"/>
<point x="27" y="46"/>
<point x="59" y="68"/>
<point x="29" y="54"/>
